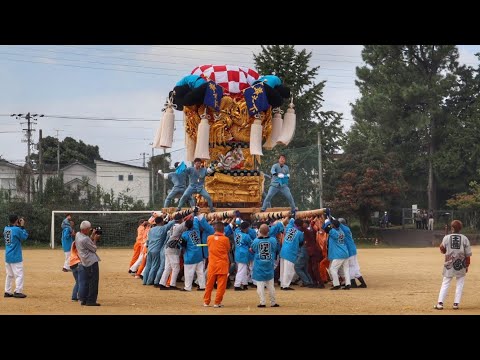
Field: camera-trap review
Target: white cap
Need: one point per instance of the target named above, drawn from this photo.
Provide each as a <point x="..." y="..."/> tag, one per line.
<point x="85" y="225"/>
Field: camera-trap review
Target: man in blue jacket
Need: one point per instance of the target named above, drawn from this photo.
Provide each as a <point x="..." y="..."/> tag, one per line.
<point x="14" y="234"/>
<point x="155" y="241"/>
<point x="242" y="258"/>
<point x="265" y="251"/>
<point x="279" y="184"/>
<point x="288" y="254"/>
<point x="179" y="181"/>
<point x="196" y="183"/>
<point x="337" y="253"/>
<point x="193" y="255"/>
<point x="352" y="260"/>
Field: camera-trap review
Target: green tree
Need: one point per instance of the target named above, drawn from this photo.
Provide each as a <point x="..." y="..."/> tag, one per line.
<point x="404" y="89"/>
<point x="293" y="68"/>
<point x="469" y="203"/>
<point x="367" y="178"/>
<point x="71" y="150"/>
<point x="458" y="156"/>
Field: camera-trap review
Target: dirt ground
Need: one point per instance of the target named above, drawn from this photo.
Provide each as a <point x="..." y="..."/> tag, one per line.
<point x="400" y="281"/>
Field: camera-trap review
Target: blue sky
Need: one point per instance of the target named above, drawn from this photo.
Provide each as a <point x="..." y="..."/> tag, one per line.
<point x="132" y="82"/>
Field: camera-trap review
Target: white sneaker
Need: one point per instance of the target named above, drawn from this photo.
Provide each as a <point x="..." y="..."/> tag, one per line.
<point x="438" y="306"/>
<point x="455" y="306"/>
<point x="206" y="305"/>
<point x="218" y="305"/>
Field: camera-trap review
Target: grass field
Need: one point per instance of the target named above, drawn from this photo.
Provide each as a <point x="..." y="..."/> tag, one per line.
<point x="400" y="281"/>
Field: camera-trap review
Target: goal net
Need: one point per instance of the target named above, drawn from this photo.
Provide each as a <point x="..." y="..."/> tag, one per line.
<point x="119" y="228"/>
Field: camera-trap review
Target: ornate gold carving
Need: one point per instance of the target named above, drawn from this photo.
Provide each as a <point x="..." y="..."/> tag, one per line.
<point x="227" y="188"/>
<point x="232" y="122"/>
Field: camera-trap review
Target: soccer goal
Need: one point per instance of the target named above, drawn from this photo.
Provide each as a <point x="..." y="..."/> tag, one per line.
<point x="119" y="227"/>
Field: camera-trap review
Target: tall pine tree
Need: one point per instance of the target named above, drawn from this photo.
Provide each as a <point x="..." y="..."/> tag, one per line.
<point x="404" y="89"/>
<point x="293" y="68"/>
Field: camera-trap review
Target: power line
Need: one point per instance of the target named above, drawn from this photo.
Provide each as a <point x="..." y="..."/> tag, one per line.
<point x="86" y="67"/>
<point x="156" y="54"/>
<point x="108" y="56"/>
<point x="96" y="62"/>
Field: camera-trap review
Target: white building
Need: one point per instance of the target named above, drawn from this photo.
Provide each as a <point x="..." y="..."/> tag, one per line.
<point x="8" y="177"/>
<point x="130" y="180"/>
<point x="77" y="175"/>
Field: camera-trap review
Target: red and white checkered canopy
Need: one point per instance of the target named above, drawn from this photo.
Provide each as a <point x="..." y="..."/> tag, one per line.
<point x="232" y="78"/>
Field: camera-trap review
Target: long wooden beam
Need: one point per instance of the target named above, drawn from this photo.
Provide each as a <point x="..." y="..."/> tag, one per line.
<point x="269" y="215"/>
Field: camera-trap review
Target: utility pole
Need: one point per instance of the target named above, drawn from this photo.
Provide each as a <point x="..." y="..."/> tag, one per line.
<point x="58" y="153"/>
<point x="143" y="158"/>
<point x="320" y="170"/>
<point x="31" y="120"/>
<point x="164" y="181"/>
<point x="151" y="176"/>
<point x="40" y="161"/>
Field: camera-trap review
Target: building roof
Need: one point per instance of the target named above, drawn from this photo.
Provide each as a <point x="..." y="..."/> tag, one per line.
<point x="78" y="180"/>
<point x="122" y="164"/>
<point x="7" y="163"/>
<point x="77" y="163"/>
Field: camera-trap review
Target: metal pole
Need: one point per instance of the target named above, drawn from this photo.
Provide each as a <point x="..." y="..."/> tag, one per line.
<point x="52" y="231"/>
<point x="40" y="161"/>
<point x="164" y="181"/>
<point x="151" y="175"/>
<point x="58" y="154"/>
<point x="320" y="170"/>
<point x="29" y="164"/>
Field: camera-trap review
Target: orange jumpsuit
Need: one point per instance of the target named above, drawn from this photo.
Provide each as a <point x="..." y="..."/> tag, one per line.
<point x="138" y="245"/>
<point x="144" y="251"/>
<point x="218" y="264"/>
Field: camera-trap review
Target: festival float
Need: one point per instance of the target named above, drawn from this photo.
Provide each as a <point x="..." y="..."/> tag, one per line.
<point x="231" y="115"/>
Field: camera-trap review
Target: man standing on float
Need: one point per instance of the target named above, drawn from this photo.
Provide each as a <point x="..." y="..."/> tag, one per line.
<point x="196" y="177"/>
<point x="279" y="183"/>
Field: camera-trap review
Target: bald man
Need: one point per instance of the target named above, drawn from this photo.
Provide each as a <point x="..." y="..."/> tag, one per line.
<point x="265" y="249"/>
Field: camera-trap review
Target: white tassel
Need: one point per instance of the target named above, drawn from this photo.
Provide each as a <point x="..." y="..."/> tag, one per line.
<point x="190" y="147"/>
<point x="289" y="123"/>
<point x="158" y="135"/>
<point x="166" y="136"/>
<point x="277" y="124"/>
<point x="256" y="137"/>
<point x="202" y="149"/>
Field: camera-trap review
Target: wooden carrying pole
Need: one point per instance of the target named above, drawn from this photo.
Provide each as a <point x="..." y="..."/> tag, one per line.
<point x="274" y="215"/>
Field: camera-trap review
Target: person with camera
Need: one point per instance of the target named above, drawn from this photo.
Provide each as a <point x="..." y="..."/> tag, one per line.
<point x="86" y="243"/>
<point x="14" y="234"/>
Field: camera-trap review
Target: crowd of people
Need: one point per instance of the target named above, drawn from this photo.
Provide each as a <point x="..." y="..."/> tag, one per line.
<point x="424" y="219"/>
<point x="235" y="252"/>
<point x="213" y="254"/>
<point x="221" y="252"/>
